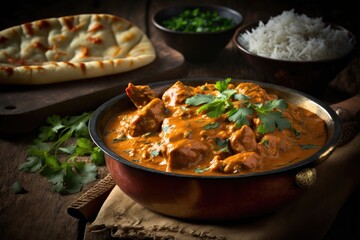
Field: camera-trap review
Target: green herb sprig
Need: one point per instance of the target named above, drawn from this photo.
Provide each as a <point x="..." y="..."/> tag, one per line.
<point x="54" y="154"/>
<point x="270" y="112"/>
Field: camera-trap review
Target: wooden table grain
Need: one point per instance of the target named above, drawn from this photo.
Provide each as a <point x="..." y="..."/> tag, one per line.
<point x="40" y="213"/>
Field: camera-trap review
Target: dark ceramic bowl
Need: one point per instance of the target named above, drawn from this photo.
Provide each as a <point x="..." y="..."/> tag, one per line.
<point x="307" y="76"/>
<point x="214" y="198"/>
<point x="196" y="45"/>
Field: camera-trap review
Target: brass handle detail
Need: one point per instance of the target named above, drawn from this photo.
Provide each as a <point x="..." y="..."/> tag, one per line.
<point x="305" y="178"/>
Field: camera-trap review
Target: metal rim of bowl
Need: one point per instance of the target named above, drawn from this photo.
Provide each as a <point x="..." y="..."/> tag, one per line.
<point x="326" y="149"/>
<point x="214" y="7"/>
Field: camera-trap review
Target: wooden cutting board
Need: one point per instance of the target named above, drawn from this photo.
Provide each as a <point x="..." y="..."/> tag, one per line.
<point x="24" y="108"/>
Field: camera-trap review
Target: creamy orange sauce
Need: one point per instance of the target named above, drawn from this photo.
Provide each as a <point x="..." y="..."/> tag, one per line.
<point x="167" y="134"/>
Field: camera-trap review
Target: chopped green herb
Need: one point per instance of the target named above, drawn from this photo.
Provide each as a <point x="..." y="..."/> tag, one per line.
<point x="166" y="128"/>
<point x="196" y="20"/>
<point x="188" y="133"/>
<point x="223" y="143"/>
<point x="211" y="125"/>
<point x="265" y="142"/>
<point x="119" y="139"/>
<point x="155" y="153"/>
<point x="296" y="133"/>
<point x="155" y="150"/>
<point x="201" y="170"/>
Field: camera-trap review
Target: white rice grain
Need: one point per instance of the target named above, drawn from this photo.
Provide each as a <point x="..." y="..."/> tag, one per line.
<point x="295" y="37"/>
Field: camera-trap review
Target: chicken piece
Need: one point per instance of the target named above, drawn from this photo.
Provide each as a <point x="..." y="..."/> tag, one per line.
<point x="243" y="140"/>
<point x="185" y="153"/>
<point x="140" y="95"/>
<point x="147" y="119"/>
<point x="177" y="94"/>
<point x="271" y="144"/>
<point x="254" y="91"/>
<point x="236" y="163"/>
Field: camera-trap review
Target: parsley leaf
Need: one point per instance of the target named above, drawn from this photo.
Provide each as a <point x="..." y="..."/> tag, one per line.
<point x="53" y="156"/>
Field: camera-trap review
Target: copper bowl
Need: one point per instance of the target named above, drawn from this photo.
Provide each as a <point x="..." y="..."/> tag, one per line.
<point x="215" y="198"/>
<point x="307" y="76"/>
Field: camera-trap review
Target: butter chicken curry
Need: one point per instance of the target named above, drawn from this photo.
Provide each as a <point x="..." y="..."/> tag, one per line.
<point x="213" y="129"/>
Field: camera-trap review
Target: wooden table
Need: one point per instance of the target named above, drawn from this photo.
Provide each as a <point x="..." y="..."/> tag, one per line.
<point x="40" y="213"/>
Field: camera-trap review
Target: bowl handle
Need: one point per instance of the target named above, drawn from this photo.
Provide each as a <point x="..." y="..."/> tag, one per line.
<point x="305" y="178"/>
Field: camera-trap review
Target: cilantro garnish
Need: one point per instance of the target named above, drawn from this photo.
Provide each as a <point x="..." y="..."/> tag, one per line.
<point x="199" y="99"/>
<point x="270" y="112"/>
<point x="222" y="85"/>
<point x="239" y="116"/>
<point x="272" y="119"/>
<point x="54" y="153"/>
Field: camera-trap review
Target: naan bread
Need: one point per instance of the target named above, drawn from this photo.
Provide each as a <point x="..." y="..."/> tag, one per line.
<point x="71" y="48"/>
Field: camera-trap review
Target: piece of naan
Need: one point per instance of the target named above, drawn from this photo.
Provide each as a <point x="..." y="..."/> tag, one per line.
<point x="71" y="48"/>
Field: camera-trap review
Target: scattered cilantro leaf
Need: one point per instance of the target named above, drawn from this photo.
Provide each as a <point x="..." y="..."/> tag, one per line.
<point x="53" y="157"/>
<point x="17" y="188"/>
<point x="97" y="156"/>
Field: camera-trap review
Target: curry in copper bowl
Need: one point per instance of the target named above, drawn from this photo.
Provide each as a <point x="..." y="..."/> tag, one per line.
<point x="214" y="149"/>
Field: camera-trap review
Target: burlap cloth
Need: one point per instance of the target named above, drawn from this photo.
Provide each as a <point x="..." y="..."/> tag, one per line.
<point x="309" y="217"/>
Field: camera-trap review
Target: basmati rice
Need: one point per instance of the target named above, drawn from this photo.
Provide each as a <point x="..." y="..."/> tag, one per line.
<point x="294" y="37"/>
